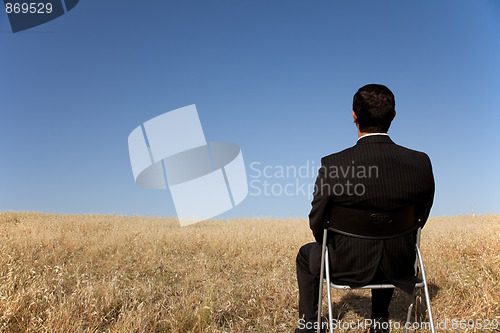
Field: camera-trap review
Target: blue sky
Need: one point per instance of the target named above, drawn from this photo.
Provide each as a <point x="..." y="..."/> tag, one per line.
<point x="275" y="77"/>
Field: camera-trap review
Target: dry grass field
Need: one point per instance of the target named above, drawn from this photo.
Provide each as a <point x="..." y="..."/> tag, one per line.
<point x="98" y="273"/>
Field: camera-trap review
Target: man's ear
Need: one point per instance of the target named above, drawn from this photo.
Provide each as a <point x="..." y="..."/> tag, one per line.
<point x="354" y="117"/>
<point x="393" y="116"/>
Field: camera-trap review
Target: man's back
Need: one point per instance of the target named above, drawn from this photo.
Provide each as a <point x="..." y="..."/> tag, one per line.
<point x="376" y="175"/>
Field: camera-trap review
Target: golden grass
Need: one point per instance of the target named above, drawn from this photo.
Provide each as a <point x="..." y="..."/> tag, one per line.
<point x="99" y="273"/>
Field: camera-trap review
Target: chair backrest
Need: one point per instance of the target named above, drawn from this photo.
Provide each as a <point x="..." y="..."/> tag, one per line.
<point x="373" y="225"/>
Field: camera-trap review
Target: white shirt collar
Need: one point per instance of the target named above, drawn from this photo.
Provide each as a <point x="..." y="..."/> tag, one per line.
<point x="370" y="134"/>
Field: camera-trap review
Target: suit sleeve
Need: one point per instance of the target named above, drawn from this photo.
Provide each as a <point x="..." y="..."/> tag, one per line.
<point x="320" y="204"/>
<point x="429" y="198"/>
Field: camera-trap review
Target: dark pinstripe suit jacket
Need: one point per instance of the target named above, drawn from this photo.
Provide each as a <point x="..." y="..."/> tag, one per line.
<point x="375" y="174"/>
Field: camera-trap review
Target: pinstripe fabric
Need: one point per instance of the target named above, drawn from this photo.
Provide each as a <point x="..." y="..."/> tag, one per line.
<point x="375" y="174"/>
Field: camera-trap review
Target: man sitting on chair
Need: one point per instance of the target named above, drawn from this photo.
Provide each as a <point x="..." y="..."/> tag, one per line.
<point x="378" y="175"/>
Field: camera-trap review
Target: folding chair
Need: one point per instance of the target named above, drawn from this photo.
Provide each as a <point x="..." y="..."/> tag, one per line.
<point x="371" y="225"/>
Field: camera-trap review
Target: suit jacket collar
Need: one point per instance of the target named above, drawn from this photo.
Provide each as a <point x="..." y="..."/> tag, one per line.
<point x="374" y="139"/>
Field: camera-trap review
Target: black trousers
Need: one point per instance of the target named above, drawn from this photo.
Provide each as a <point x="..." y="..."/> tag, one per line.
<point x="308" y="278"/>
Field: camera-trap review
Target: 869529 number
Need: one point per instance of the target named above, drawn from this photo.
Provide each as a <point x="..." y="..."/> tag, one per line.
<point x="25" y="8"/>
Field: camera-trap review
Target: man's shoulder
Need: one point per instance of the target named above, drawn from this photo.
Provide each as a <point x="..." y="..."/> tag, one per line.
<point x="414" y="153"/>
<point x="368" y="150"/>
<point x="341" y="155"/>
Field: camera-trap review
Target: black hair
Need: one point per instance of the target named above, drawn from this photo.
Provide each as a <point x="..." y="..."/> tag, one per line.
<point x="374" y="106"/>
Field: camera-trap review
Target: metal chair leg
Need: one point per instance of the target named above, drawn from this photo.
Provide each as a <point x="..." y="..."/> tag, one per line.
<point x="426" y="289"/>
<point x="328" y="292"/>
<point x="408" y="317"/>
<point x="321" y="272"/>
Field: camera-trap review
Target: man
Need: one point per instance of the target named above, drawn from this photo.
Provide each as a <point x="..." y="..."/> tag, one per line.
<point x="377" y="175"/>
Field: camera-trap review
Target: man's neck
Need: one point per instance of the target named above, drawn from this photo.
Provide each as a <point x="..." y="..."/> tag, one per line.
<point x="360" y="134"/>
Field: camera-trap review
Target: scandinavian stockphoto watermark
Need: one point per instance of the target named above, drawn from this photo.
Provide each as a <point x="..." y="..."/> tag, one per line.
<point x="293" y="180"/>
<point x="205" y="180"/>
<point x="208" y="179"/>
<point x="454" y="325"/>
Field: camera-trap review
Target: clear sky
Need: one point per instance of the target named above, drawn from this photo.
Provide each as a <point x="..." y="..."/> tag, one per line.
<point x="276" y="77"/>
